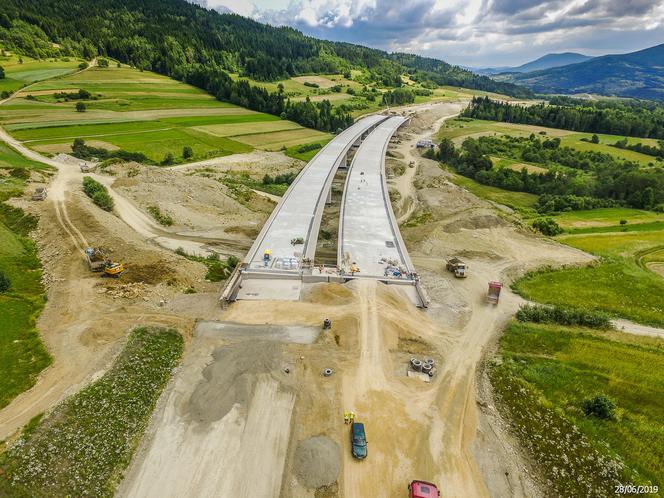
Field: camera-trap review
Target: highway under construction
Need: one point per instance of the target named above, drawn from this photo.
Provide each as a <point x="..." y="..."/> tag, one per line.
<point x="283" y="256"/>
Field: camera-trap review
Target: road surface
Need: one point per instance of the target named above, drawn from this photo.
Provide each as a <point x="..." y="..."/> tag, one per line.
<point x="369" y="237"/>
<point x="299" y="213"/>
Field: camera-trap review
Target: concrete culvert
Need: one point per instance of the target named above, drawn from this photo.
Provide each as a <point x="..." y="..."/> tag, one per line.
<point x="417" y="364"/>
<point x="317" y="462"/>
<point x="327" y="372"/>
<point x="426" y="368"/>
<point x="430" y="361"/>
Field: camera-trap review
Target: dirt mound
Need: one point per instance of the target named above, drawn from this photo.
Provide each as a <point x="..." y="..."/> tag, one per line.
<point x="328" y="294"/>
<point x="317" y="462"/>
<point x="150" y="273"/>
<point x="474" y="223"/>
<point x="231" y="377"/>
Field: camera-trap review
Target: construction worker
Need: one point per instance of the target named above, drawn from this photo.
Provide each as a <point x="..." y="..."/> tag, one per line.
<point x="352" y="417"/>
<point x="346" y="418"/>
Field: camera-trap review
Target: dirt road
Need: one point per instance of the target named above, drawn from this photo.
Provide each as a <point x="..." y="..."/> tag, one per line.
<point x="423" y="126"/>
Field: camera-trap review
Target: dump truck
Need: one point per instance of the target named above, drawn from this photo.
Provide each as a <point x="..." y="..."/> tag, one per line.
<point x="422" y="489"/>
<point x="39" y="194"/>
<point x="458" y="267"/>
<point x="494" y="292"/>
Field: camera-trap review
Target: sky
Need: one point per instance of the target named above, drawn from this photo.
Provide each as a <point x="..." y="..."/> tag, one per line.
<point x="475" y="33"/>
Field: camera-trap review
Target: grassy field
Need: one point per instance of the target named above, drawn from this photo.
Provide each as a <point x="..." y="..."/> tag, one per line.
<point x="621" y="283"/>
<point x="22" y="354"/>
<point x="19" y="74"/>
<point x="519" y="201"/>
<point x="300" y="152"/>
<point x="84" y="445"/>
<point x="546" y="373"/>
<point x="10" y="159"/>
<point x="144" y="112"/>
<point x="460" y="129"/>
<point x="607" y="217"/>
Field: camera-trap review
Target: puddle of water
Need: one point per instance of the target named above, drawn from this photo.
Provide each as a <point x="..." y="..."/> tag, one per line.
<point x="298" y="334"/>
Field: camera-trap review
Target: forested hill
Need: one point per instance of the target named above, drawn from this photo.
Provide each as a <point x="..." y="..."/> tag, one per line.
<point x="637" y="74"/>
<point x="175" y="37"/>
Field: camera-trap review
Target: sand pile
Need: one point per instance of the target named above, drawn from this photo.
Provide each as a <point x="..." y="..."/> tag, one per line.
<point x="317" y="462"/>
<point x="231" y="377"/>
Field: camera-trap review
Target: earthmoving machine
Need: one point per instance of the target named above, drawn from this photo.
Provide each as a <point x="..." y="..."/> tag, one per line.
<point x="458" y="267"/>
<point x="494" y="292"/>
<point x="96" y="259"/>
<point x="98" y="262"/>
<point x="39" y="194"/>
<point x="113" y="270"/>
<point x="422" y="489"/>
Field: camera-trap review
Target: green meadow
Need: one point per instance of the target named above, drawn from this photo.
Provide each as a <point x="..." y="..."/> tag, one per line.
<point x="21" y="71"/>
<point x="544" y="375"/>
<point x="623" y="282"/>
<point x="460" y="129"/>
<point x="22" y="354"/>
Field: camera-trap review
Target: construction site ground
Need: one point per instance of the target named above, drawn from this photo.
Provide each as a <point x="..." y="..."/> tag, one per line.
<point x="255" y="416"/>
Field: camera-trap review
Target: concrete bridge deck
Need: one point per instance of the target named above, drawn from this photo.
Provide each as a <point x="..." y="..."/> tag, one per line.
<point x="368" y="232"/>
<point x="299" y="213"/>
<point x="370" y="243"/>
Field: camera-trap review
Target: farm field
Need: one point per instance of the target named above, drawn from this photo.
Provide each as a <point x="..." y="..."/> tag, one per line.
<point x="19" y="74"/>
<point x="145" y="113"/>
<point x="10" y="159"/>
<point x="460" y="129"/>
<point x="560" y="367"/>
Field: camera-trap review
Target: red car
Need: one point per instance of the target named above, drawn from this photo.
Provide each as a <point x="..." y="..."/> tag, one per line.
<point x="422" y="489"/>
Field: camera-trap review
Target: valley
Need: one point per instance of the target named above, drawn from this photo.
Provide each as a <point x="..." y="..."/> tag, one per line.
<point x="224" y="244"/>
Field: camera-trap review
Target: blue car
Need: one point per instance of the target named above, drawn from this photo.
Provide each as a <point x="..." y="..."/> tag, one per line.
<point x="358" y="441"/>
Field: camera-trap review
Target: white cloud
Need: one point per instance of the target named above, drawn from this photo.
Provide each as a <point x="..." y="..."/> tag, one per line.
<point x="471" y="32"/>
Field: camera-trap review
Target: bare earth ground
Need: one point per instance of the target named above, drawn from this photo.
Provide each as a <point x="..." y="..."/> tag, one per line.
<point x="446" y="431"/>
<point x="86" y="317"/>
<point x="232" y="420"/>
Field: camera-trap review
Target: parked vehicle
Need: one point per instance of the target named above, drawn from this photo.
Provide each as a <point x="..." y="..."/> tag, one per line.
<point x="422" y="489"/>
<point x="358" y="440"/>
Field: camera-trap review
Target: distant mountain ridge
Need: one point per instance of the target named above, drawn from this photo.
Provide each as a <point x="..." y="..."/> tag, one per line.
<point x="637" y="74"/>
<point x="545" y="62"/>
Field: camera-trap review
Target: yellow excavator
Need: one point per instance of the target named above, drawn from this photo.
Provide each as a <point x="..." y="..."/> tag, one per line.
<point x="113" y="270"/>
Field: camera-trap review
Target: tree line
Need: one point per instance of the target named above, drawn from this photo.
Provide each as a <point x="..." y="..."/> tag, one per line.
<point x="573" y="179"/>
<point x="168" y="35"/>
<point x="637" y="119"/>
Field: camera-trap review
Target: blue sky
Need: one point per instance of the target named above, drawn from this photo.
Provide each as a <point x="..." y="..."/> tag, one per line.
<point x="470" y="32"/>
